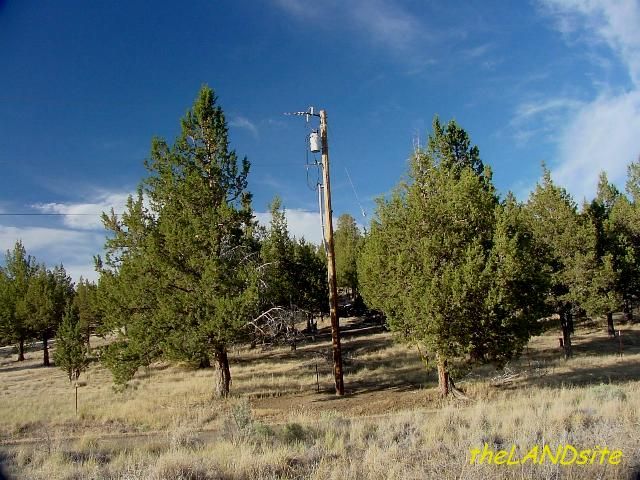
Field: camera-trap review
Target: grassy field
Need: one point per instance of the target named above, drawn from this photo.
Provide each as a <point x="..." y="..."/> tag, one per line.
<point x="391" y="424"/>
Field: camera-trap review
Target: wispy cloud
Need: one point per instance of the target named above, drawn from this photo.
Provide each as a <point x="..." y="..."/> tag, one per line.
<point x="541" y="119"/>
<point x="602" y="133"/>
<point x="387" y="23"/>
<point x="531" y="109"/>
<point x="602" y="136"/>
<point x="87" y="215"/>
<point x="73" y="248"/>
<point x="246" y="124"/>
<point x="478" y="51"/>
<point x="77" y="236"/>
<point x="614" y="22"/>
<point x="382" y="23"/>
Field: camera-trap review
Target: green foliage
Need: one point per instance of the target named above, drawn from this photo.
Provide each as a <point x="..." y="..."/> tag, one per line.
<point x="89" y="311"/>
<point x="293" y="273"/>
<point x="277" y="253"/>
<point x="606" y="276"/>
<point x="14" y="283"/>
<point x="450" y="146"/>
<point x="569" y="241"/>
<point x="70" y="354"/>
<point x="347" y="243"/>
<point x="452" y="268"/>
<point x="178" y="280"/>
<point x="311" y="290"/>
<point x="44" y="304"/>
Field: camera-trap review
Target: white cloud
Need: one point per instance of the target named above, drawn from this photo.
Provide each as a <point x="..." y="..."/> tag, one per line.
<point x="530" y="109"/>
<point x="601" y="134"/>
<point x="301" y="223"/>
<point x="246" y="124"/>
<point x="73" y="248"/>
<point x="542" y="119"/>
<point x="381" y="22"/>
<point x="386" y="23"/>
<point x="615" y="22"/>
<point x="87" y="215"/>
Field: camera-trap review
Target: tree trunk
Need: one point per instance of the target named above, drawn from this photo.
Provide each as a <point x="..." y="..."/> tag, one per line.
<point x="21" y="350"/>
<point x="443" y="376"/>
<point x="567" y="327"/>
<point x="45" y="346"/>
<point x="610" y="329"/>
<point x="224" y="373"/>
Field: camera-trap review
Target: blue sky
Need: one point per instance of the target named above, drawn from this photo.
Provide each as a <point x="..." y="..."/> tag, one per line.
<point x="86" y="85"/>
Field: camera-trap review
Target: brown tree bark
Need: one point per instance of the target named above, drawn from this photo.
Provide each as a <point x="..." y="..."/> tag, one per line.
<point x="21" y="350"/>
<point x="224" y="373"/>
<point x="610" y="328"/>
<point x="443" y="376"/>
<point x="45" y="346"/>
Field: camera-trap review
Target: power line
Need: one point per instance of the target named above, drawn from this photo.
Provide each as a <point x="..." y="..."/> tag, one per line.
<point x="25" y="214"/>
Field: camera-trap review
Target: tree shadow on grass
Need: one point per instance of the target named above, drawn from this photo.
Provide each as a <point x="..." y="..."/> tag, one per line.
<point x="21" y="366"/>
<point x="621" y="372"/>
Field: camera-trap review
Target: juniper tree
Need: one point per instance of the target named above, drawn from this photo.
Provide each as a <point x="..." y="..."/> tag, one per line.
<point x="569" y="241"/>
<point x="277" y="254"/>
<point x="293" y="276"/>
<point x="178" y="280"/>
<point x="44" y="303"/>
<point x="19" y="268"/>
<point x="607" y="275"/>
<point x="70" y="354"/>
<point x="453" y="269"/>
<point x="311" y="289"/>
<point x="625" y="221"/>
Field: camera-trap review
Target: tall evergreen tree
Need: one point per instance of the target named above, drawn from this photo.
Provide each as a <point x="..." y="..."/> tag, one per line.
<point x="294" y="276"/>
<point x="179" y="272"/>
<point x="18" y="270"/>
<point x="570" y="251"/>
<point x="311" y="289"/>
<point x="606" y="291"/>
<point x="43" y="306"/>
<point x="71" y="354"/>
<point x="277" y="253"/>
<point x="453" y="270"/>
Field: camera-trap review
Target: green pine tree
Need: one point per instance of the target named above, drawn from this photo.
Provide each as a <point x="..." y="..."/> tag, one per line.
<point x="70" y="353"/>
<point x="179" y="278"/>
<point x="44" y="303"/>
<point x="18" y="270"/>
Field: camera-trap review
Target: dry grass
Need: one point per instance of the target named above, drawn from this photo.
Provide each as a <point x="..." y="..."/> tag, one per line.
<point x="390" y="425"/>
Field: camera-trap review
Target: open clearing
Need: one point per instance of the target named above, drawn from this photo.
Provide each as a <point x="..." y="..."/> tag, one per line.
<point x="391" y="423"/>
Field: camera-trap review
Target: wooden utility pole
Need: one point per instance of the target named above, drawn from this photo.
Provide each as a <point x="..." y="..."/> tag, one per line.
<point x="331" y="260"/>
